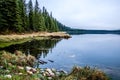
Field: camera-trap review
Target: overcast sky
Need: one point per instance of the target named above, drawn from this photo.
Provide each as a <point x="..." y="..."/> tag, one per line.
<point x="87" y="14"/>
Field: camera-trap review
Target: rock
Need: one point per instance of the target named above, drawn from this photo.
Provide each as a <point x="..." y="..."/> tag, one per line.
<point x="21" y="68"/>
<point x="50" y="72"/>
<point x="8" y="76"/>
<point x="28" y="68"/>
<point x="20" y="73"/>
<point x="33" y="70"/>
<point x="46" y="74"/>
<point x="30" y="72"/>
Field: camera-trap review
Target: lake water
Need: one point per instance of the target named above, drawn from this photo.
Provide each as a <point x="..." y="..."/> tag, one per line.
<point x="101" y="50"/>
<point x="96" y="50"/>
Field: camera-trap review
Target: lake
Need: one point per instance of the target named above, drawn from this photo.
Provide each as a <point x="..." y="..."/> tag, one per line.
<point x="96" y="50"/>
<point x="101" y="50"/>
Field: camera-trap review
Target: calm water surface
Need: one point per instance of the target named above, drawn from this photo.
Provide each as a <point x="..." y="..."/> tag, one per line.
<point x="96" y="50"/>
<point x="101" y="50"/>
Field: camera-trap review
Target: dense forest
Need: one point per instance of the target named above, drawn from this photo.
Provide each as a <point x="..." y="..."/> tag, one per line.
<point x="17" y="16"/>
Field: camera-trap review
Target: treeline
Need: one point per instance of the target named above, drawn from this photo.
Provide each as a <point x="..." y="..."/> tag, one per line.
<point x="18" y="16"/>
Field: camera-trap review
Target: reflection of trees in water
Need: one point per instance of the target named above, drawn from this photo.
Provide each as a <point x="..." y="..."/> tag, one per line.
<point x="35" y="47"/>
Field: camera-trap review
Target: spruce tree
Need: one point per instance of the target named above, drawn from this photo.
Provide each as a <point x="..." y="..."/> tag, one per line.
<point x="10" y="18"/>
<point x="39" y="23"/>
<point x="22" y="12"/>
<point x="30" y="10"/>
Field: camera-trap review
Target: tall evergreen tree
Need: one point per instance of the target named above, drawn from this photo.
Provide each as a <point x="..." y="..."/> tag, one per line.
<point x="9" y="14"/>
<point x="41" y="22"/>
<point x="46" y="18"/>
<point x="30" y="9"/>
<point x="16" y="17"/>
<point x="38" y="18"/>
<point x="22" y="12"/>
<point x="56" y="25"/>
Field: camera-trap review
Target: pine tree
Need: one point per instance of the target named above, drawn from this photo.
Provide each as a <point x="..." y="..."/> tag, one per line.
<point x="30" y="9"/>
<point x="3" y="21"/>
<point x="46" y="18"/>
<point x="16" y="16"/>
<point x="22" y="12"/>
<point x="56" y="25"/>
<point x="39" y="23"/>
<point x="9" y="14"/>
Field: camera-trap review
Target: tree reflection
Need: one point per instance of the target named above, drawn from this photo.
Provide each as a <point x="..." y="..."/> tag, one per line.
<point x="36" y="48"/>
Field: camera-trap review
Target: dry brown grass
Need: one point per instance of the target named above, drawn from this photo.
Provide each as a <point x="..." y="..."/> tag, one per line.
<point x="12" y="37"/>
<point x="18" y="58"/>
<point x="86" y="73"/>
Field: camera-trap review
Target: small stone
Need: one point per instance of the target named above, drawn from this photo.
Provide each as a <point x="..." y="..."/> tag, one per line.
<point x="50" y="72"/>
<point x="46" y="74"/>
<point x="8" y="76"/>
<point x="33" y="70"/>
<point x="20" y="73"/>
<point x="28" y="68"/>
<point x="29" y="72"/>
<point x="21" y="68"/>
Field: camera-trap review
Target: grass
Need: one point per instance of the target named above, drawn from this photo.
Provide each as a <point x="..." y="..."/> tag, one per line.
<point x="86" y="73"/>
<point x="15" y="37"/>
<point x="7" y="40"/>
<point x="18" y="58"/>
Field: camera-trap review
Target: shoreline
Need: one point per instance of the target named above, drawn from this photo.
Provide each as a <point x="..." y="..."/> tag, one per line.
<point x="15" y="37"/>
<point x="19" y="66"/>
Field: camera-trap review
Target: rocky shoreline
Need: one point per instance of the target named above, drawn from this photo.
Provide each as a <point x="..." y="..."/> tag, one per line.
<point x="19" y="66"/>
<point x="42" y="74"/>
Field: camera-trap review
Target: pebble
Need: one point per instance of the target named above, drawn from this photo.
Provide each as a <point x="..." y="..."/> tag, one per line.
<point x="20" y="73"/>
<point x="29" y="72"/>
<point x="21" y="68"/>
<point x="33" y="70"/>
<point x="50" y="72"/>
<point x="28" y="68"/>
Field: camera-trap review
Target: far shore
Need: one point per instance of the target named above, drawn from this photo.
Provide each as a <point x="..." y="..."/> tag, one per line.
<point x="11" y="37"/>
